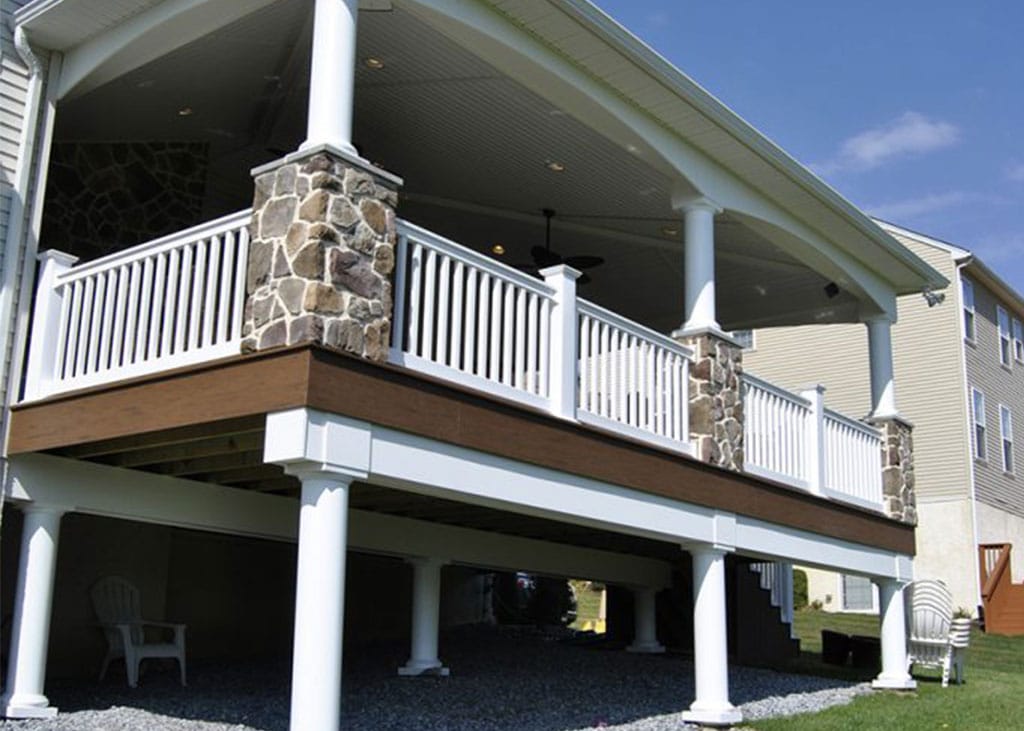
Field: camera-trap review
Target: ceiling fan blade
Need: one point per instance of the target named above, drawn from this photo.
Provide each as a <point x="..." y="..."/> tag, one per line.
<point x="584" y="262"/>
<point x="544" y="258"/>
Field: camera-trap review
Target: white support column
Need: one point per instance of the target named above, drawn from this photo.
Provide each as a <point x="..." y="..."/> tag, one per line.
<point x="332" y="75"/>
<point x="426" y="616"/>
<point x="645" y="622"/>
<point x="564" y="340"/>
<point x="33" y="600"/>
<point x="320" y="602"/>
<point x="894" y="675"/>
<point x="815" y="436"/>
<point x="699" y="265"/>
<point x="710" y="641"/>
<point x="42" y="353"/>
<point x="883" y="389"/>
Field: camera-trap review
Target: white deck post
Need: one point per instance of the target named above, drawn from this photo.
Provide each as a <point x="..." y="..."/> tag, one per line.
<point x="42" y="353"/>
<point x="816" y="457"/>
<point x="710" y="641"/>
<point x="426" y="614"/>
<point x="894" y="673"/>
<point x="699" y="265"/>
<point x="332" y="75"/>
<point x="320" y="602"/>
<point x="645" y="622"/>
<point x="564" y="341"/>
<point x="883" y="389"/>
<point x="33" y="600"/>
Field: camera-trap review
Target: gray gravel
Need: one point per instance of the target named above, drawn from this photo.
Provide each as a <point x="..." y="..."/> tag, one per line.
<point x="501" y="679"/>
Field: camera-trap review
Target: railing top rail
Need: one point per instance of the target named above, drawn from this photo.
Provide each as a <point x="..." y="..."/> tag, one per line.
<point x="782" y="393"/>
<point x="853" y="423"/>
<point x="589" y="308"/>
<point x="203" y="230"/>
<point x="480" y="261"/>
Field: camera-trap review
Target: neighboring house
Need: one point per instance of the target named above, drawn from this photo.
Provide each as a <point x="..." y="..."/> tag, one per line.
<point x="198" y="385"/>
<point x="959" y="360"/>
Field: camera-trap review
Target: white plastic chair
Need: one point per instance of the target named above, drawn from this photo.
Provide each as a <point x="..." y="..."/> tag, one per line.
<point x="117" y="606"/>
<point x="929" y="617"/>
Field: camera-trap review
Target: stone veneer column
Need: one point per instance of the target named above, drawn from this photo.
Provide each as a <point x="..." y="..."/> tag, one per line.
<point x="716" y="404"/>
<point x="322" y="254"/>
<point x="898" y="469"/>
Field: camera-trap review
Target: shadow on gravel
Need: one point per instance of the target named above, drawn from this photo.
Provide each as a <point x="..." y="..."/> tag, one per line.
<point x="501" y="679"/>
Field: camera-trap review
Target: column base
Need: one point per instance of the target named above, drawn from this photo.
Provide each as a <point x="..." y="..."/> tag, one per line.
<point x="36" y="706"/>
<point x="418" y="668"/>
<point x="897" y="683"/>
<point x="727" y="715"/>
<point x="646" y="648"/>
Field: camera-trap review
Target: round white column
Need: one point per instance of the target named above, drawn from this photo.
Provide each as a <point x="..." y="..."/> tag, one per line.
<point x="645" y="622"/>
<point x="332" y="75"/>
<point x="320" y="603"/>
<point x="699" y="263"/>
<point x="894" y="673"/>
<point x="710" y="642"/>
<point x="426" y="616"/>
<point x="883" y="388"/>
<point x="30" y="631"/>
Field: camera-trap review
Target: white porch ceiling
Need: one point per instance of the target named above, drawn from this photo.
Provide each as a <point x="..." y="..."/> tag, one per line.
<point x="472" y="146"/>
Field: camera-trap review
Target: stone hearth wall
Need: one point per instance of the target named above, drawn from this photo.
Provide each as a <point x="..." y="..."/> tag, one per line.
<point x="107" y="196"/>
<point x="322" y="256"/>
<point x="716" y="406"/>
<point x="898" y="493"/>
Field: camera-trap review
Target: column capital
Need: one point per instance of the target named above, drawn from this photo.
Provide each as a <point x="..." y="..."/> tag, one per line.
<point x="37" y="508"/>
<point x="427" y="561"/>
<point x="713" y="550"/>
<point x="685" y="204"/>
<point x="307" y="442"/>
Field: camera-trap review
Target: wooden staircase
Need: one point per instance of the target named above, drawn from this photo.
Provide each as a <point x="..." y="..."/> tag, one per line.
<point x="1003" y="601"/>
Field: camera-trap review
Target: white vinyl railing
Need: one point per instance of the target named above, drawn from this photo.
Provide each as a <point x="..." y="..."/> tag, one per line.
<point x="168" y="303"/>
<point x="631" y="379"/>
<point x="466" y="318"/>
<point x="793" y="438"/>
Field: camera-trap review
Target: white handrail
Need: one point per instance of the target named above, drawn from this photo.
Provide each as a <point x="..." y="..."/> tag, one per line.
<point x="167" y="303"/>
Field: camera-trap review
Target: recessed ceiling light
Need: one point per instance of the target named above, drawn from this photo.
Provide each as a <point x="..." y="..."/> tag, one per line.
<point x="670" y="230"/>
<point x="373" y="62"/>
<point x="555" y="166"/>
<point x="186" y="112"/>
<point x="146" y="84"/>
<point x="498" y="250"/>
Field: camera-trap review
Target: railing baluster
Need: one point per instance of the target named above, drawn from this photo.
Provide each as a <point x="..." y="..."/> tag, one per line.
<point x="469" y="349"/>
<point x="227" y="273"/>
<point x="443" y="292"/>
<point x="519" y="376"/>
<point x="458" y="284"/>
<point x="429" y="305"/>
<point x="544" y="369"/>
<point x="415" y="306"/>
<point x="507" y="333"/>
<point x="157" y="308"/>
<point x="484" y="322"/>
<point x="212" y="278"/>
<point x="532" y="367"/>
<point x="494" y="367"/>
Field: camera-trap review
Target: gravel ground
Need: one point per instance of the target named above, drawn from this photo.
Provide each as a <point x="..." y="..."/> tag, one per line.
<point x="501" y="679"/>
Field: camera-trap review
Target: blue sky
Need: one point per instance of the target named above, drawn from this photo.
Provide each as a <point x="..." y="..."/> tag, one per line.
<point x="912" y="109"/>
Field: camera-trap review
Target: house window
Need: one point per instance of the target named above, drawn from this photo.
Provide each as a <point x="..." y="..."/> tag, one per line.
<point x="1018" y="341"/>
<point x="858" y="594"/>
<point x="744" y="338"/>
<point x="979" y="423"/>
<point x="1005" y="347"/>
<point x="1006" y="434"/>
<point x="967" y="290"/>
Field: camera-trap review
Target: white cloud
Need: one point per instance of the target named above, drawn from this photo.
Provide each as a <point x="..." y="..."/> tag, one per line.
<point x="911" y="208"/>
<point x="909" y="134"/>
<point x="1016" y="172"/>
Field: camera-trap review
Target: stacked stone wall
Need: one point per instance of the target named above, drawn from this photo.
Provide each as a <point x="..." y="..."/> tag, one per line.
<point x="322" y="257"/>
<point x="716" y="405"/>
<point x="898" y="470"/>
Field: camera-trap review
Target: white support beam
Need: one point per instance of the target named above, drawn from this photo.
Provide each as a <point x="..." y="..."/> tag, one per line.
<point x="645" y="622"/>
<point x="894" y="675"/>
<point x="332" y="75"/>
<point x="883" y="385"/>
<point x="699" y="266"/>
<point x="426" y="619"/>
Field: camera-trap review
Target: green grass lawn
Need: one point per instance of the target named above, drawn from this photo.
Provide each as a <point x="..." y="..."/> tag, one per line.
<point x="992" y="696"/>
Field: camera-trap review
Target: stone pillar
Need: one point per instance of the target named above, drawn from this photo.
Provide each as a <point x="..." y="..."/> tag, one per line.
<point x="883" y="388"/>
<point x="33" y="601"/>
<point x="898" y="468"/>
<point x="426" y="615"/>
<point x="894" y="673"/>
<point x="716" y="404"/>
<point x="320" y="602"/>
<point x="645" y="622"/>
<point x="710" y="642"/>
<point x="322" y="255"/>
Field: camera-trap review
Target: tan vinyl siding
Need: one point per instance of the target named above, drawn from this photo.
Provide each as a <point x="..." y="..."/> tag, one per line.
<point x="1001" y="385"/>
<point x="928" y="371"/>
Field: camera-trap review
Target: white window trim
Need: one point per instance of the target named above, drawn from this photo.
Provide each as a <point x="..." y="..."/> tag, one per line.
<point x="980" y="452"/>
<point x="1006" y="440"/>
<point x="1018" y="340"/>
<point x="967" y="288"/>
<point x="1005" y="337"/>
